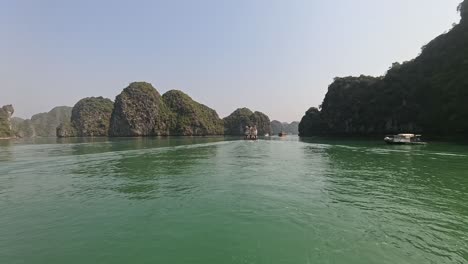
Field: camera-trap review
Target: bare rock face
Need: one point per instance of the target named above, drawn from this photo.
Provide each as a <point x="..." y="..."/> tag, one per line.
<point x="5" y="121"/>
<point x="139" y="111"/>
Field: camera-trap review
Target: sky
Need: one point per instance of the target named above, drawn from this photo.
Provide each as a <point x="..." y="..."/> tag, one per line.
<point x="273" y="56"/>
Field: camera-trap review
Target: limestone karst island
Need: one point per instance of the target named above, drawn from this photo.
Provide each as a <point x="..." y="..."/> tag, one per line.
<point x="209" y="132"/>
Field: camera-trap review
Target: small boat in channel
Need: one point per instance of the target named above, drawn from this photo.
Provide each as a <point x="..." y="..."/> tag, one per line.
<point x="404" y="139"/>
<point x="282" y="134"/>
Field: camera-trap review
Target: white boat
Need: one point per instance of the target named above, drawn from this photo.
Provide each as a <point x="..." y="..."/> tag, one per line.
<point x="404" y="139"/>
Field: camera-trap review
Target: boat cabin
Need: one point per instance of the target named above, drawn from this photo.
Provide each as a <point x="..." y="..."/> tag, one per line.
<point x="404" y="139"/>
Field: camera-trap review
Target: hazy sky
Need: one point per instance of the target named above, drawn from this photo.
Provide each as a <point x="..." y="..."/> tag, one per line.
<point x="275" y="56"/>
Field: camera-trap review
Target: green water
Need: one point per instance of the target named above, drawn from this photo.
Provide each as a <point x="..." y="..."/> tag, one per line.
<point x="212" y="200"/>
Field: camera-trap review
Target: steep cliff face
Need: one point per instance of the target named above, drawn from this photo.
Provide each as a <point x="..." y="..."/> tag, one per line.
<point x="5" y="121"/>
<point x="262" y="122"/>
<point x="425" y="95"/>
<point x="312" y="124"/>
<point x="236" y="122"/>
<point x="139" y="111"/>
<point x="190" y="118"/>
<point x="90" y="118"/>
<point x="45" y="124"/>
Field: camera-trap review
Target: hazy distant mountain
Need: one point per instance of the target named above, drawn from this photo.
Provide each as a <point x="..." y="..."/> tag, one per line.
<point x="290" y="128"/>
<point x="22" y="128"/>
<point x="43" y="124"/>
<point x="425" y="95"/>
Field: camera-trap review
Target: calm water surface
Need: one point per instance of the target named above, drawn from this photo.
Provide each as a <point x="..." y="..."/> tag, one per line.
<point x="212" y="200"/>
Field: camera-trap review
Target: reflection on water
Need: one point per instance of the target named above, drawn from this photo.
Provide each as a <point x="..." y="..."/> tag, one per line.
<point x="409" y="195"/>
<point x="223" y="200"/>
<point x="5" y="150"/>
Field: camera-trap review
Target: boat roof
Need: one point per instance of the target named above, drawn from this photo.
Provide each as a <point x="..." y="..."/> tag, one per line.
<point x="406" y="135"/>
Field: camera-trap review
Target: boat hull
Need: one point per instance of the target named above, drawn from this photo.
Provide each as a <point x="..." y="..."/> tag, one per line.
<point x="405" y="143"/>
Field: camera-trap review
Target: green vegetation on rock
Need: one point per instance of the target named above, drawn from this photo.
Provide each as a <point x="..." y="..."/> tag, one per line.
<point x="90" y="118"/>
<point x="66" y="129"/>
<point x="139" y="111"/>
<point x="425" y="95"/>
<point x="290" y="128"/>
<point x="5" y="121"/>
<point x="236" y="122"/>
<point x="262" y="122"/>
<point x="190" y="118"/>
<point x="312" y="124"/>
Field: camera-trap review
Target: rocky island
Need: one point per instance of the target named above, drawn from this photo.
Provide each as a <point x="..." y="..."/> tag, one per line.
<point x="90" y="118"/>
<point x="190" y="118"/>
<point x="425" y="95"/>
<point x="140" y="110"/>
<point x="236" y="122"/>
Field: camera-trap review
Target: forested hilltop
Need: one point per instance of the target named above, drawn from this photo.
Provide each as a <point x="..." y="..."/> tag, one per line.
<point x="428" y="94"/>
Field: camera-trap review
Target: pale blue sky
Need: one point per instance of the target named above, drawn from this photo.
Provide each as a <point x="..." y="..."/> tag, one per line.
<point x="275" y="56"/>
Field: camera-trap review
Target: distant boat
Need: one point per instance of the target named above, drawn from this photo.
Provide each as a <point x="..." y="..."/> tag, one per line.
<point x="404" y="139"/>
<point x="267" y="135"/>
<point x="282" y="134"/>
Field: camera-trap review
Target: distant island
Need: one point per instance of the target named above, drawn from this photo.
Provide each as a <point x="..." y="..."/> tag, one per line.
<point x="288" y="128"/>
<point x="428" y="94"/>
<point x="139" y="110"/>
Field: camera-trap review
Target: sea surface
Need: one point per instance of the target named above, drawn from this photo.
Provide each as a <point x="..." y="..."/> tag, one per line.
<point x="224" y="200"/>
